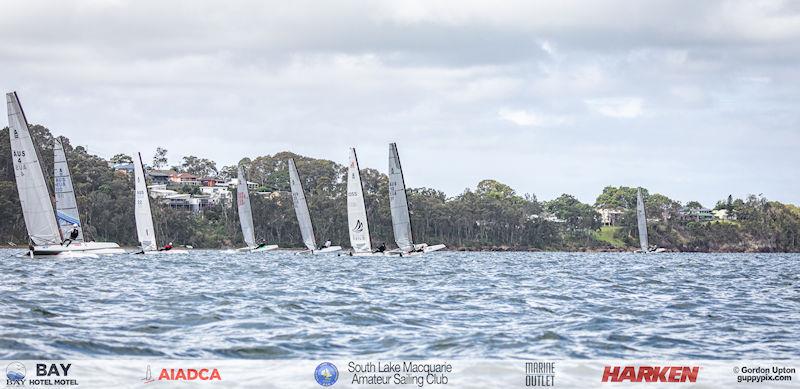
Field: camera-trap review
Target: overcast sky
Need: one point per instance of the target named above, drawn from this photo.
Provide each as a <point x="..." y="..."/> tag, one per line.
<point x="691" y="99"/>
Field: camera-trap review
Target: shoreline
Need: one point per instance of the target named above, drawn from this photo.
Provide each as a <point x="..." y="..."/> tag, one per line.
<point x="495" y="249"/>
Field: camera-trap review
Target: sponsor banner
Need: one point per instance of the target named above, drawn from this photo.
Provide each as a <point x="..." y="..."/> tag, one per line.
<point x="399" y="373"/>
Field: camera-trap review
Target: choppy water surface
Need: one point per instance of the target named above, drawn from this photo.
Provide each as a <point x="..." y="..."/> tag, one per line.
<point x="210" y="304"/>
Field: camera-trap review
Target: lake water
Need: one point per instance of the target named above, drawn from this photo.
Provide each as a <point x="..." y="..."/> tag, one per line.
<point x="211" y="304"/>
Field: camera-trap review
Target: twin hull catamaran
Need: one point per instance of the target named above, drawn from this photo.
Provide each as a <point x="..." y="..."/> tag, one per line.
<point x="44" y="232"/>
<point x="303" y="215"/>
<point x="401" y="217"/>
<point x="246" y="216"/>
<point x="144" y="215"/>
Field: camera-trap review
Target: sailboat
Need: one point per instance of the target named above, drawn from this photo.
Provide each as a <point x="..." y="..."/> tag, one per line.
<point x="45" y="236"/>
<point x="303" y="215"/>
<point x="144" y="215"/>
<point x="67" y="214"/>
<point x="246" y="216"/>
<point x="401" y="218"/>
<point x="641" y="221"/>
<point x="357" y="223"/>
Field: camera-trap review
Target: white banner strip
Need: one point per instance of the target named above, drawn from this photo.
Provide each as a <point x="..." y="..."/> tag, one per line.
<point x="365" y="373"/>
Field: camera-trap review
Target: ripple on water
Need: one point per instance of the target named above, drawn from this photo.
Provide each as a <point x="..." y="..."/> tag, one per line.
<point x="449" y="305"/>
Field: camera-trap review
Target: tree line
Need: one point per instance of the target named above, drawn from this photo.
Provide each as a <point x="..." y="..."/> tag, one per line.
<point x="490" y="216"/>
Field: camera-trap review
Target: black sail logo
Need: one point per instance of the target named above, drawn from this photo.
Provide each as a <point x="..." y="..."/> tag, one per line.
<point x="359" y="226"/>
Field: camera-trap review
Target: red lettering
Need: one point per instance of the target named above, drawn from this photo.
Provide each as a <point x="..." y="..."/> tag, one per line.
<point x="215" y="375"/>
<point x="650" y="373"/>
<point x="645" y="372"/>
<point x="164" y="375"/>
<point x="610" y="374"/>
<point x="628" y="373"/>
<point x="690" y="373"/>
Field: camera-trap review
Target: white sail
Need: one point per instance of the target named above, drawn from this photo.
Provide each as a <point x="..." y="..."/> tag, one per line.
<point x="356" y="210"/>
<point x="66" y="204"/>
<point x="144" y="216"/>
<point x="641" y="220"/>
<point x="37" y="206"/>
<point x="301" y="207"/>
<point x="245" y="211"/>
<point x="398" y="202"/>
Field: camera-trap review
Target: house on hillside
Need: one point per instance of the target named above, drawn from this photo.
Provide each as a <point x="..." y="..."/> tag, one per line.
<point x="723" y="214"/>
<point x="696" y="214"/>
<point x="160" y="177"/>
<point x="181" y="179"/>
<point x="126" y="168"/>
<point x="610" y="216"/>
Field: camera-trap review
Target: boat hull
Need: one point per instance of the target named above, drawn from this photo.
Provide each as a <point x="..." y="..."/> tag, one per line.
<point x="425" y="249"/>
<point x="326" y="250"/>
<point x="93" y="247"/>
<point x="167" y="252"/>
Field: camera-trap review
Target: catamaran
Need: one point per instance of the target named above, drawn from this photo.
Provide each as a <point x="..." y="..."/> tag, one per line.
<point x="303" y="215"/>
<point x="67" y="214"/>
<point x="401" y="218"/>
<point x="641" y="221"/>
<point x="45" y="236"/>
<point x="357" y="222"/>
<point x="144" y="215"/>
<point x="246" y="216"/>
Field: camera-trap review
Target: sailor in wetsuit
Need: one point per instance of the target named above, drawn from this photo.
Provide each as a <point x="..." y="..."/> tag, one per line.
<point x="72" y="235"/>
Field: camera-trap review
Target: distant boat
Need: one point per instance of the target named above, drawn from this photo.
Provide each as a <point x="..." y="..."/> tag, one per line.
<point x="401" y="218"/>
<point x="641" y="221"/>
<point x="357" y="223"/>
<point x="246" y="216"/>
<point x="144" y="215"/>
<point x="67" y="213"/>
<point x="44" y="235"/>
<point x="303" y="215"/>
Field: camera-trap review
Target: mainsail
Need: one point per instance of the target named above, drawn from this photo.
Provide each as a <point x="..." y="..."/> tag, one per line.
<point x="398" y="202"/>
<point x="37" y="206"/>
<point x="144" y="216"/>
<point x="642" y="221"/>
<point x="245" y="211"/>
<point x="301" y="207"/>
<point x="66" y="204"/>
<point x="356" y="210"/>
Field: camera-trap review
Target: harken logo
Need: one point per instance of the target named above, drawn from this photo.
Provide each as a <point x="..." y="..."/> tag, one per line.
<point x="15" y="372"/>
<point x="650" y="373"/>
<point x="359" y="226"/>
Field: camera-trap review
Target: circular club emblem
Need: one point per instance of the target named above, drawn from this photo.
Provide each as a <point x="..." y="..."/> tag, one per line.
<point x="326" y="374"/>
<point x="15" y="371"/>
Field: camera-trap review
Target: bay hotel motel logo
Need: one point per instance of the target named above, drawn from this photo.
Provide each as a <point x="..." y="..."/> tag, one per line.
<point x="46" y="374"/>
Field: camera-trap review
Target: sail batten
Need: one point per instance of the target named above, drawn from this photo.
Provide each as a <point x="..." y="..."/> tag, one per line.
<point x="357" y="223"/>
<point x="34" y="196"/>
<point x="142" y="211"/>
<point x="641" y="220"/>
<point x="66" y="203"/>
<point x="245" y="210"/>
<point x="301" y="208"/>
